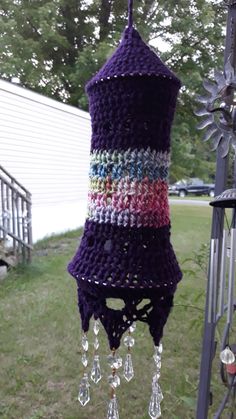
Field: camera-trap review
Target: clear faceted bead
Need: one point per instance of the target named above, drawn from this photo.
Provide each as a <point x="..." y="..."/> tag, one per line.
<point x="84" y="394"/>
<point x="96" y="327"/>
<point x="157" y="375"/>
<point x="132" y="327"/>
<point x="112" y="412"/>
<point x="114" y="380"/>
<point x="157" y="362"/>
<point x="158" y="349"/>
<point x="227" y="356"/>
<point x="154" y="406"/>
<point x="128" y="368"/>
<point x="85" y="343"/>
<point x="96" y="343"/>
<point x="157" y="357"/>
<point x="129" y="341"/>
<point x="84" y="360"/>
<point x="114" y="361"/>
<point x="96" y="370"/>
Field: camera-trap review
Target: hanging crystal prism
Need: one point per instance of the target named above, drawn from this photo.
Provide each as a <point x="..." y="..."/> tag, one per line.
<point x="128" y="368"/>
<point x="96" y="370"/>
<point x="112" y="412"/>
<point x="156" y="388"/>
<point x="128" y="364"/>
<point x="154" y="409"/>
<point x="154" y="406"/>
<point x="84" y="394"/>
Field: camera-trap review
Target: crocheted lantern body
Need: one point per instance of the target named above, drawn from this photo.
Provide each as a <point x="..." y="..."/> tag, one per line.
<point x="125" y="251"/>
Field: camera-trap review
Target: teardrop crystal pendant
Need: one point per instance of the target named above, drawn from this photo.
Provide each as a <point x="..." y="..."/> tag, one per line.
<point x="128" y="368"/>
<point x="156" y="388"/>
<point x="84" y="394"/>
<point x="154" y="406"/>
<point x="112" y="412"/>
<point x="96" y="370"/>
<point x="227" y="356"/>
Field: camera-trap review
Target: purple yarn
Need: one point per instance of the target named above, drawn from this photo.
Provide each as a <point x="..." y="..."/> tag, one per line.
<point x="116" y="127"/>
<point x="133" y="57"/>
<point x="132" y="102"/>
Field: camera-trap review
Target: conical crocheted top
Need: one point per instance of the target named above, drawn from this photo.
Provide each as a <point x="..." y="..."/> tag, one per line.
<point x="125" y="251"/>
<point x="133" y="58"/>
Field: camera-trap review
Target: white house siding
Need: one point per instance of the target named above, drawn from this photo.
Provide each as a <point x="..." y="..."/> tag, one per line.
<point x="45" y="144"/>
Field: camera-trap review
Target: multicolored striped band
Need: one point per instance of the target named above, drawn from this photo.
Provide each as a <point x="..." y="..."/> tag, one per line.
<point x="129" y="188"/>
<point x="136" y="164"/>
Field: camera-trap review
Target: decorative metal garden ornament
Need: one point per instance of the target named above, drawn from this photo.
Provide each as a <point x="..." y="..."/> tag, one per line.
<point x="218" y="109"/>
<point x="125" y="251"/>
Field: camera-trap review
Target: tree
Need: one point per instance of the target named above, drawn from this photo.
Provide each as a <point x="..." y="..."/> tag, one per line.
<point x="55" y="46"/>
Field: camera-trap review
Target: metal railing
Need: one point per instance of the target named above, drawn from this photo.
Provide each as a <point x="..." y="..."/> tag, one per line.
<point x="15" y="216"/>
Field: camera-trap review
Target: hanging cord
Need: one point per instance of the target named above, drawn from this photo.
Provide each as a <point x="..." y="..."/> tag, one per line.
<point x="130" y="13"/>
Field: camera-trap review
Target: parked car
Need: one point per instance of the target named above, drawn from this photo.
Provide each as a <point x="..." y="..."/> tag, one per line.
<point x="193" y="186"/>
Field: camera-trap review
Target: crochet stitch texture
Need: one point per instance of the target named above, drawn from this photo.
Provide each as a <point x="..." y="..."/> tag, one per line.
<point x="125" y="251"/>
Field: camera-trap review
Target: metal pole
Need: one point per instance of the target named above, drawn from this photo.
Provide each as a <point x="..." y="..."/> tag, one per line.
<point x="208" y="345"/>
<point x="222" y="275"/>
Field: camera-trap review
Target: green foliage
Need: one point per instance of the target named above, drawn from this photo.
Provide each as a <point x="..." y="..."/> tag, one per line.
<point x="198" y="261"/>
<point x="55" y="46"/>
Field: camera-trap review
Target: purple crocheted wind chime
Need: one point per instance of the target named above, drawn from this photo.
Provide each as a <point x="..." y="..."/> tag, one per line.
<point x="125" y="251"/>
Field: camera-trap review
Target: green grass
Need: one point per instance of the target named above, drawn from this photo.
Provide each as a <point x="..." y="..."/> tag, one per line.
<point x="40" y="336"/>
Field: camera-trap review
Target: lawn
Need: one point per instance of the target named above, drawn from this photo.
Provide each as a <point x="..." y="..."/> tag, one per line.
<point x="40" y="336"/>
